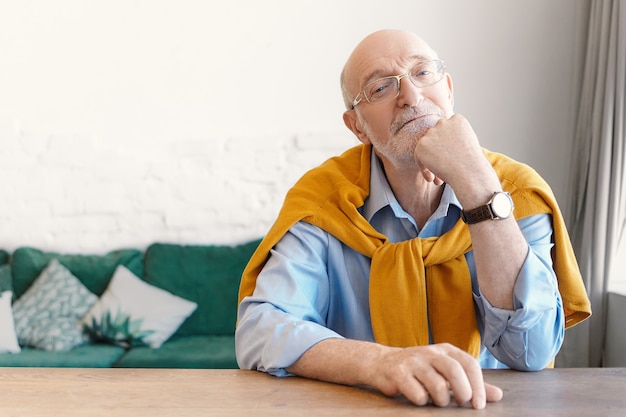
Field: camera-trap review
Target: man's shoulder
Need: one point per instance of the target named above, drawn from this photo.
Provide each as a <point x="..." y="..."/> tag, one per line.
<point x="530" y="192"/>
<point x="514" y="172"/>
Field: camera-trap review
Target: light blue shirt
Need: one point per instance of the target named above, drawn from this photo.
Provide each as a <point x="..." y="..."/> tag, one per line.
<point x="313" y="287"/>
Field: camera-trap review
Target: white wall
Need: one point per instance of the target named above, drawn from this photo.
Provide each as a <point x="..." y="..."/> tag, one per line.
<point x="127" y="122"/>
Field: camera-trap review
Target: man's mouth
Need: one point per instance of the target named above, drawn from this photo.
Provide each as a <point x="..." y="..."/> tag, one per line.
<point x="418" y="119"/>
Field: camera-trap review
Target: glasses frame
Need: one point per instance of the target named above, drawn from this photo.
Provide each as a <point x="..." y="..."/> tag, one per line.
<point x="361" y="95"/>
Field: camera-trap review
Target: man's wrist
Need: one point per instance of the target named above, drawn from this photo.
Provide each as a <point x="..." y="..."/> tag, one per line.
<point x="499" y="207"/>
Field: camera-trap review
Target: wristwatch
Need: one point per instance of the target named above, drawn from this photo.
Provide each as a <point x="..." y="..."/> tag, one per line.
<point x="499" y="207"/>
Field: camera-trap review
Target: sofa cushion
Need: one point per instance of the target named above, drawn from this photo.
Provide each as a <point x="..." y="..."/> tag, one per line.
<point x="8" y="337"/>
<point x="47" y="316"/>
<point x="6" y="280"/>
<point x="133" y="313"/>
<point x="206" y="274"/>
<point x="85" y="356"/>
<point x="94" y="271"/>
<point x="4" y="257"/>
<point x="216" y="352"/>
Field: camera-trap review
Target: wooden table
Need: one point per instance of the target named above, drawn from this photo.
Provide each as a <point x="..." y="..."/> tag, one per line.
<point x="181" y="392"/>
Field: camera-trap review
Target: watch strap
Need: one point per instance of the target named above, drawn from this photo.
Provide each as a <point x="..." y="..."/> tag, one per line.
<point x="477" y="215"/>
<point x="493" y="210"/>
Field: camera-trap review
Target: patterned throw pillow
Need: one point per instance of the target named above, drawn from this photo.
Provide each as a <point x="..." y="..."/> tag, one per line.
<point x="132" y="312"/>
<point x="48" y="315"/>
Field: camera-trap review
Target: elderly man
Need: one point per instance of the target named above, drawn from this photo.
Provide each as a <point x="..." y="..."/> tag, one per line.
<point x="412" y="260"/>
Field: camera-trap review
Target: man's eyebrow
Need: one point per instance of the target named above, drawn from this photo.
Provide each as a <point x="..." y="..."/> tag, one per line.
<point x="374" y="76"/>
<point x="381" y="74"/>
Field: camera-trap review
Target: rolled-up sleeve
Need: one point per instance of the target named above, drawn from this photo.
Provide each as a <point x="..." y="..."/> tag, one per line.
<point x="286" y="314"/>
<point x="529" y="336"/>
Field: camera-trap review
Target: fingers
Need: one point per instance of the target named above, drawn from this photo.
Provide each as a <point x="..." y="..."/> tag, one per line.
<point x="471" y="376"/>
<point x="474" y="376"/>
<point x="427" y="174"/>
<point x="415" y="392"/>
<point x="430" y="177"/>
<point x="494" y="393"/>
<point x="458" y="374"/>
<point x="464" y="377"/>
<point x="437" y="387"/>
<point x="438" y="373"/>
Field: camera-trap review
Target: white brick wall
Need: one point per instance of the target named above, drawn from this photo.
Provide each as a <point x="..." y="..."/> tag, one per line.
<point x="73" y="194"/>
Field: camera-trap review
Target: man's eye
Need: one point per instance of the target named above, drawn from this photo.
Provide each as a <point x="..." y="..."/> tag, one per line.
<point x="380" y="89"/>
<point x="424" y="73"/>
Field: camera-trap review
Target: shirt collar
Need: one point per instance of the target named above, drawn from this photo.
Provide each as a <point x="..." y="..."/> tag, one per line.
<point x="382" y="196"/>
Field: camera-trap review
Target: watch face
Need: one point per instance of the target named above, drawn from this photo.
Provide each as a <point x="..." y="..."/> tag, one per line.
<point x="501" y="205"/>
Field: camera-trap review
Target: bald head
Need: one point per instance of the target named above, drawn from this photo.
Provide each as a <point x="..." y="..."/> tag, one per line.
<point x="378" y="55"/>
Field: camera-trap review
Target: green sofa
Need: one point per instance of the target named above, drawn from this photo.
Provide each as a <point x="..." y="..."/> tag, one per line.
<point x="207" y="275"/>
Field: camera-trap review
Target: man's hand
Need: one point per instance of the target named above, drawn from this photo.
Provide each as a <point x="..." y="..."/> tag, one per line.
<point x="450" y="152"/>
<point x="438" y="372"/>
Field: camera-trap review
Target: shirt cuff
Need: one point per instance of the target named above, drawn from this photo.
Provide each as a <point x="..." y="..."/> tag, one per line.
<point x="534" y="294"/>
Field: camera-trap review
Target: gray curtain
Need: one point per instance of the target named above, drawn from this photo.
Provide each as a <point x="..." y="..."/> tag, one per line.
<point x="597" y="209"/>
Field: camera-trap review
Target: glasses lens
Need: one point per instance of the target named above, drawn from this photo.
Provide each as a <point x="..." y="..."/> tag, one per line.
<point x="422" y="75"/>
<point x="381" y="89"/>
<point x="427" y="73"/>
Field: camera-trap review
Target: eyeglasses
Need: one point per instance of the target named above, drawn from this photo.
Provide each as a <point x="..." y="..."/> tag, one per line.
<point x="387" y="88"/>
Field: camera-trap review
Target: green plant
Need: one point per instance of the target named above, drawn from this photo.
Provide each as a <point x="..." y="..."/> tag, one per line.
<point x="119" y="329"/>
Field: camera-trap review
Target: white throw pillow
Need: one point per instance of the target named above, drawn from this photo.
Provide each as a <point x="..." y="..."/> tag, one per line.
<point x="8" y="338"/>
<point x="47" y="316"/>
<point x="132" y="312"/>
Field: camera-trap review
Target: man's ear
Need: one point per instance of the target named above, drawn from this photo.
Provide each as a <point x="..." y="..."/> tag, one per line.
<point x="450" y="89"/>
<point x="352" y="122"/>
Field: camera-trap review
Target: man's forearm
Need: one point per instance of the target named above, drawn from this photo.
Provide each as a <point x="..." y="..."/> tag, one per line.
<point x="499" y="250"/>
<point x="341" y="361"/>
<point x="434" y="373"/>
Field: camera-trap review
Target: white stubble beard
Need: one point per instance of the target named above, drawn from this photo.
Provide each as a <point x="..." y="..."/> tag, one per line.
<point x="399" y="150"/>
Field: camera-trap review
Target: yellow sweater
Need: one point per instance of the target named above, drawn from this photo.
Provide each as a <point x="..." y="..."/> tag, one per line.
<point x="419" y="279"/>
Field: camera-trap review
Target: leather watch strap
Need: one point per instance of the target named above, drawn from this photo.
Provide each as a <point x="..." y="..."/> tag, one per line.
<point x="499" y="207"/>
<point x="477" y="215"/>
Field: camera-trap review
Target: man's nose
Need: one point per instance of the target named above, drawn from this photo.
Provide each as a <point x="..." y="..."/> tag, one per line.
<point x="409" y="94"/>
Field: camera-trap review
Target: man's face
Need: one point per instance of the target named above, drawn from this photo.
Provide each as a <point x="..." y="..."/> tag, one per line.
<point x="393" y="127"/>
